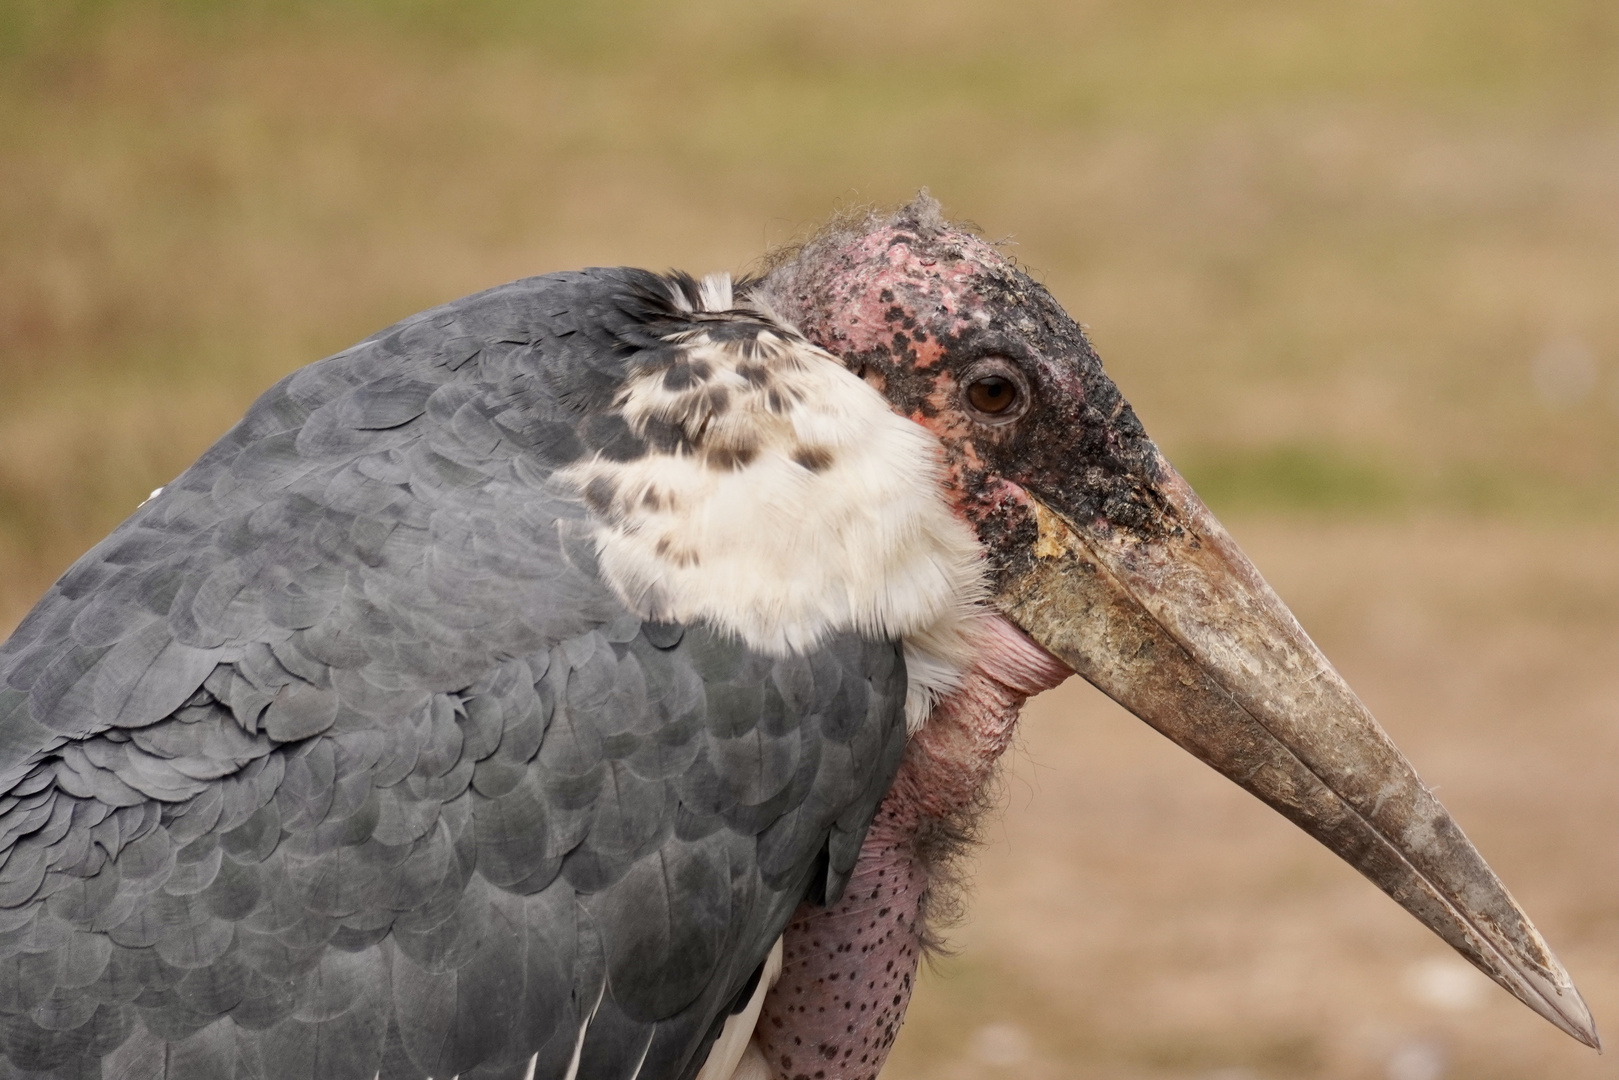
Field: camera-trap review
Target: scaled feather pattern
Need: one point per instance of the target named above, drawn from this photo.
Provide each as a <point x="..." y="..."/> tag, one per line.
<point x="341" y="758"/>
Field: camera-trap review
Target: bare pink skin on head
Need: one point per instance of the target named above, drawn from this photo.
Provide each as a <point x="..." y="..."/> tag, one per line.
<point x="900" y="305"/>
<point x="849" y="968"/>
<point x="875" y="299"/>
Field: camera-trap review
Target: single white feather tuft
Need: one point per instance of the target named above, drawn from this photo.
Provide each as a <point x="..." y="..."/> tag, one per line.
<point x="714" y="294"/>
<point x="734" y="1055"/>
<point x="800" y="505"/>
<point x="579" y="1042"/>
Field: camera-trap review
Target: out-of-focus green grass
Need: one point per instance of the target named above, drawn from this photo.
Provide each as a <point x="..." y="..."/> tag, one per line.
<point x="1321" y="245"/>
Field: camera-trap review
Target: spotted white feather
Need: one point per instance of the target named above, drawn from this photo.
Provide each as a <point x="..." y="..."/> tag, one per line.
<point x="800" y="506"/>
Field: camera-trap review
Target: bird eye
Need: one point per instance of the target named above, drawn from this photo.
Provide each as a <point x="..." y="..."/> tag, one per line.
<point x="993" y="392"/>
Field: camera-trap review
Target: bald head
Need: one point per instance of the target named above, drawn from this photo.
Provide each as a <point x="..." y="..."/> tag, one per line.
<point x="962" y="341"/>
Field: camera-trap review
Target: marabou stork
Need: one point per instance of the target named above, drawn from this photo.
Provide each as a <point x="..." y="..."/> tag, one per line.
<point x="586" y="678"/>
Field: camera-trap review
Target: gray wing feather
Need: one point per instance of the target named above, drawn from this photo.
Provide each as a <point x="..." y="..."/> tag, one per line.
<point x="338" y="759"/>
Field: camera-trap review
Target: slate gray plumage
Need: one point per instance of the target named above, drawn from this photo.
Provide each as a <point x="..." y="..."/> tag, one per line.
<point x="338" y="758"/>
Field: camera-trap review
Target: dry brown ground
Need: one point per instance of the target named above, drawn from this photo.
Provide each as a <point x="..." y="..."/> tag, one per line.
<point x="1135" y="915"/>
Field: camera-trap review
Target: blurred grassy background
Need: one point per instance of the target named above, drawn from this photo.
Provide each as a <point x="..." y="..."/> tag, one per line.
<point x="1350" y="257"/>
<point x="1353" y="261"/>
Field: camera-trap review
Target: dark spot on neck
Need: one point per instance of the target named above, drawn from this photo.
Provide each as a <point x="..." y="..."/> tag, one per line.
<point x="814" y="458"/>
<point x="718" y="399"/>
<point x="730" y="458"/>
<point x="665" y="437"/>
<point x="678" y="376"/>
<point x="599" y="495"/>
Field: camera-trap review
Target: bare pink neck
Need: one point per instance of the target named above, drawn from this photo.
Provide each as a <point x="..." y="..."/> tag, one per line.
<point x="849" y="968"/>
<point x="950" y="760"/>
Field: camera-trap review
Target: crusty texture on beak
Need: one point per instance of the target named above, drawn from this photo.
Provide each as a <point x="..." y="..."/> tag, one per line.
<point x="1180" y="629"/>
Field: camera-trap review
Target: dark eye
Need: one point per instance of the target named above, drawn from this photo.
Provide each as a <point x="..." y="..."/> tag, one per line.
<point x="994" y="391"/>
<point x="992" y="394"/>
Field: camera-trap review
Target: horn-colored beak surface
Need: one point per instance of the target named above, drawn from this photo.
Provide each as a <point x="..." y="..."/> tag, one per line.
<point x="1181" y="630"/>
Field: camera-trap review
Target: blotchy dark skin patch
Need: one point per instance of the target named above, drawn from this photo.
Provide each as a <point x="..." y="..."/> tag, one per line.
<point x="910" y="307"/>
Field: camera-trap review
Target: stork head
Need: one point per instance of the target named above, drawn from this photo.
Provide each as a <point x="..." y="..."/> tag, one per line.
<point x="1103" y="555"/>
